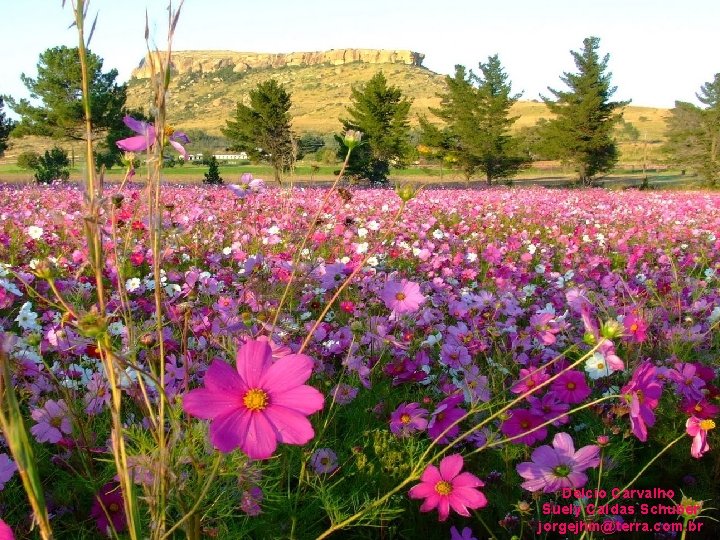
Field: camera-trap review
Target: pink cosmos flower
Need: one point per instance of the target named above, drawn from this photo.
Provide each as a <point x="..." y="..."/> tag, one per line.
<point x="559" y="466"/>
<point x="528" y="380"/>
<point x="408" y="418"/>
<point x="5" y="531"/>
<point x="698" y="430"/>
<point x="447" y="488"/>
<point x="635" y="328"/>
<point x="53" y="421"/>
<point x="571" y="387"/>
<point x="7" y="469"/>
<point x="642" y="393"/>
<point x="258" y="404"/>
<point x="145" y="137"/>
<point x="109" y="508"/>
<point x="402" y="296"/>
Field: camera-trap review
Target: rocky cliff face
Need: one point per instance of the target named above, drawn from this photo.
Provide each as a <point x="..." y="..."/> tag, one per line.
<point x="209" y="61"/>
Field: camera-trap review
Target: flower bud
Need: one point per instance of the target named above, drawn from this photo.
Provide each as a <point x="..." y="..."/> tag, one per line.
<point x="603" y="440"/>
<point x="92" y="325"/>
<point x="406" y="192"/>
<point x="44" y="270"/>
<point x="352" y="138"/>
<point x="589" y="338"/>
<point x="117" y="200"/>
<point x="611" y="329"/>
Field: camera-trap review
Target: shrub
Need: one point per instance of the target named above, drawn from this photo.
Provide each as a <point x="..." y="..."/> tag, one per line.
<point x="28" y="160"/>
<point x="53" y="165"/>
<point x="213" y="174"/>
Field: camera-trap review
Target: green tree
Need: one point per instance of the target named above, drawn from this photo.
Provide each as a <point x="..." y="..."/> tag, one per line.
<point x="476" y="110"/>
<point x="60" y="112"/>
<point x="693" y="135"/>
<point x="263" y="129"/>
<point x="28" y="160"/>
<point x="380" y="112"/>
<point x="213" y="174"/>
<point x="53" y="165"/>
<point x="309" y="143"/>
<point x="581" y="133"/>
<point x="6" y="126"/>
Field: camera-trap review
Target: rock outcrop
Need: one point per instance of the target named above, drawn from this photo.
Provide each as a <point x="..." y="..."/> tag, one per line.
<point x="209" y="61"/>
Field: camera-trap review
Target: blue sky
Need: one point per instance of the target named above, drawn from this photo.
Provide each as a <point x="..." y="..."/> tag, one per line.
<point x="660" y="50"/>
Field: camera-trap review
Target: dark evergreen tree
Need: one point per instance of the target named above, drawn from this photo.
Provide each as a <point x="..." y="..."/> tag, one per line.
<point x="60" y="114"/>
<point x="693" y="135"/>
<point x="6" y="126"/>
<point x="263" y="129"/>
<point x="581" y="132"/>
<point x="380" y="113"/>
<point x="476" y="110"/>
<point x="213" y="174"/>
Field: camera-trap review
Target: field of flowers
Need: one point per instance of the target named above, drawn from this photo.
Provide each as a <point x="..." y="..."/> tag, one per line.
<point x="364" y="363"/>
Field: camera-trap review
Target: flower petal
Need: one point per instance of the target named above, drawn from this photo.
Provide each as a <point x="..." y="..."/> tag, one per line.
<point x="451" y="466"/>
<point x="291" y="427"/>
<point x="228" y="431"/>
<point x="431" y="475"/>
<point x="221" y="377"/>
<point x="207" y="404"/>
<point x="303" y="399"/>
<point x="179" y="147"/>
<point x="253" y="360"/>
<point x="260" y="440"/>
<point x="564" y="444"/>
<point x="134" y="144"/>
<point x="138" y="126"/>
<point x="287" y="372"/>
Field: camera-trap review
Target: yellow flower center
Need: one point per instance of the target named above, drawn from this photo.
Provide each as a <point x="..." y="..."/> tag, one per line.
<point x="570" y="386"/>
<point x="707" y="424"/>
<point x="600" y="365"/>
<point x="255" y="399"/>
<point x="405" y="419"/>
<point x="633" y="327"/>
<point x="443" y="488"/>
<point x="169" y="130"/>
<point x="113" y="507"/>
<point x="698" y="408"/>
<point x="400" y="296"/>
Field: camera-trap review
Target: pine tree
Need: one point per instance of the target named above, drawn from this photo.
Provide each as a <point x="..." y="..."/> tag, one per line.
<point x="6" y="126"/>
<point x="263" y="129"/>
<point x="380" y="112"/>
<point x="581" y="131"/>
<point x="213" y="174"/>
<point x="693" y="136"/>
<point x="476" y="110"/>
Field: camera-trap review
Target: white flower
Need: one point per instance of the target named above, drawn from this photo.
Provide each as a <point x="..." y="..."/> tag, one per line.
<point x="532" y="249"/>
<point x="362" y="232"/>
<point x="709" y="273"/>
<point x="361" y="248"/>
<point x="597" y="367"/>
<point x="34" y="232"/>
<point x="715" y="315"/>
<point x="385" y="208"/>
<point x="305" y="316"/>
<point x="273" y="230"/>
<point x="373" y="225"/>
<point x="471" y="257"/>
<point x="373" y="261"/>
<point x="172" y="288"/>
<point x="345" y="260"/>
<point x="132" y="284"/>
<point x="116" y="328"/>
<point x="10" y="287"/>
<point x="26" y="317"/>
<point x="227" y="251"/>
<point x="438" y="234"/>
<point x="540" y="268"/>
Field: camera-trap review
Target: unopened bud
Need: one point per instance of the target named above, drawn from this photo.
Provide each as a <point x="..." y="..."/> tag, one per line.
<point x="117" y="200"/>
<point x="352" y="138"/>
<point x="92" y="325"/>
<point x="406" y="192"/>
<point x="611" y="329"/>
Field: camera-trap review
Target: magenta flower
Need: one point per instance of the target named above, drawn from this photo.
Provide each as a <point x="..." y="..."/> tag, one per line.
<point x="258" y="404"/>
<point x="522" y="421"/>
<point x="529" y="379"/>
<point x="52" y="422"/>
<point x="407" y="419"/>
<point x="447" y="488"/>
<point x="698" y="430"/>
<point x="324" y="461"/>
<point x="402" y="296"/>
<point x="571" y="387"/>
<point x="5" y="531"/>
<point x="635" y="328"/>
<point x="146" y="135"/>
<point x="558" y="466"/>
<point x="109" y="508"/>
<point x="7" y="469"/>
<point x="642" y="393"/>
<point x="446" y="414"/>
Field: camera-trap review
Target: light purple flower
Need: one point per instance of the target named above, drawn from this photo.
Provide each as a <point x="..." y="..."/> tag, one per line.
<point x="446" y="414"/>
<point x="343" y="393"/>
<point x="558" y="466"/>
<point x="247" y="186"/>
<point x="52" y="422"/>
<point x="324" y="461"/>
<point x="466" y="534"/>
<point x="7" y="469"/>
<point x="146" y="136"/>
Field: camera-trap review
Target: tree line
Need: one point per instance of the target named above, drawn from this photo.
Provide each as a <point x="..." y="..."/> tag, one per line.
<point x="471" y="130"/>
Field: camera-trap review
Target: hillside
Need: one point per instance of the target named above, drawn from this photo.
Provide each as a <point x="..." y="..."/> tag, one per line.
<point x="207" y="85"/>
